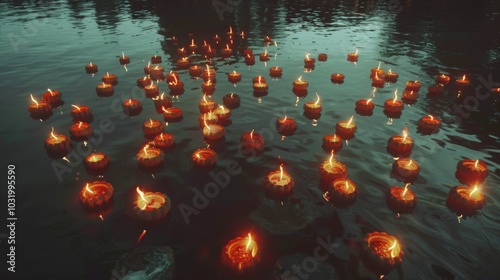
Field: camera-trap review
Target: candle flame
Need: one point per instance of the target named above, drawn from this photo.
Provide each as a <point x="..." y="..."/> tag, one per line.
<point x="227" y="47"/>
<point x="463" y="77"/>
<point x="151" y="122"/>
<point x="251" y="134"/>
<point x="275" y="43"/>
<point x="141" y="195"/>
<point x="232" y="95"/>
<point x="107" y="74"/>
<point x="265" y="51"/>
<point x="331" y="159"/>
<point x="123" y="54"/>
<point x="101" y="217"/>
<point x="164" y="109"/>
<point x="53" y="135"/>
<point x="79" y="124"/>
<point x="307" y="56"/>
<point x="430" y="116"/>
<point x="78" y="108"/>
<point x="395" y="96"/>
<point x="475" y="164"/>
<point x="347" y="186"/>
<point x="260" y="77"/>
<point x="192" y="42"/>
<point x="376" y="76"/>
<point x="393" y="248"/>
<point x="350" y="120"/>
<point x="161" y="136"/>
<point x="406" y="189"/>
<point x="230" y="30"/>
<point x="368" y="101"/>
<point x="49" y="90"/>
<point x="206" y="125"/>
<point x="284" y="120"/>
<point x="473" y="191"/>
<point x="405" y="134"/>
<point x="356" y="53"/>
<point x="87" y="189"/>
<point x="90" y="63"/>
<point x="317" y="101"/>
<point x="390" y="71"/>
<point x="141" y="236"/>
<point x="378" y="68"/>
<point x="409" y="163"/>
<point x="299" y="79"/>
<point x="32" y="98"/>
<point x="249" y="241"/>
<point x="281" y="171"/>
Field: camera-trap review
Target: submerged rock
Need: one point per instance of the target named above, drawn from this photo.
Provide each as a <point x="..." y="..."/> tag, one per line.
<point x="145" y="263"/>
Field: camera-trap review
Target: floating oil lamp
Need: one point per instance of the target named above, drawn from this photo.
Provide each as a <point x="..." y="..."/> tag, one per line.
<point x="97" y="161"/>
<point x="204" y="47"/>
<point x="172" y="76"/>
<point x="208" y="87"/>
<point x="57" y="142"/>
<point x="156" y="72"/>
<point x="210" y="53"/>
<point x="164" y="140"/>
<point x="132" y="107"/>
<point x="208" y="118"/>
<point x="182" y="52"/>
<point x="405" y="169"/>
<point x="183" y="63"/>
<point x="252" y="140"/>
<point x="151" y="206"/>
<point x="149" y="157"/>
<point x="377" y="81"/>
<point x="51" y="96"/>
<point x="341" y="193"/>
<point x="230" y="32"/>
<point x="162" y="101"/>
<point x="153" y="127"/>
<point x="267" y="39"/>
<point x="331" y="170"/>
<point x="286" y="126"/>
<point x="247" y="51"/>
<point x="435" y="90"/>
<point x="353" y="57"/>
<point x="264" y="56"/>
<point x="471" y="172"/>
<point x="222" y="113"/>
<point x="192" y="47"/>
<point x="260" y="85"/>
<point x="216" y="38"/>
<point x="346" y="128"/>
<point x="207" y="105"/>
<point x="332" y="142"/>
<point x="195" y="71"/>
<point x="463" y="82"/>
<point x="176" y="85"/>
<point x="241" y="255"/>
<point x="279" y="184"/>
<point x="258" y="78"/>
<point x="300" y="84"/>
<point x="410" y="96"/>
<point x="39" y="108"/>
<point x="147" y="68"/>
<point x="391" y="76"/>
<point x="209" y="74"/>
<point x="429" y="124"/>
<point x="213" y="131"/>
<point x="400" y="145"/>
<point x="313" y="108"/>
<point x="380" y="252"/>
<point x="142" y="82"/>
<point x="275" y="72"/>
<point x="443" y="79"/>
<point x="204" y="158"/>
<point x="249" y="59"/>
<point x="465" y="200"/>
<point x="309" y="61"/>
<point x="231" y="100"/>
<point x="413" y="85"/>
<point x="401" y="200"/>
<point x="377" y="71"/>
<point x="109" y="79"/>
<point x="124" y="60"/>
<point x="81" y="129"/>
<point x="104" y="89"/>
<point x="322" y="57"/>
<point x="96" y="195"/>
<point x="151" y="90"/>
<point x="91" y="68"/>
<point x="156" y="59"/>
<point x="394" y="106"/>
<point x="337" y="78"/>
<point x="226" y="52"/>
<point x="172" y="114"/>
<point x="234" y="77"/>
<point x="81" y="112"/>
<point x="364" y="107"/>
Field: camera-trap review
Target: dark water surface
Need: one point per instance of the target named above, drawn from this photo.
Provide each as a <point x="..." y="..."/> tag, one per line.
<point x="46" y="44"/>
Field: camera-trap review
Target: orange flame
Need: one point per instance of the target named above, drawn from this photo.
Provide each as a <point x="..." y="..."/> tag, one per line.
<point x="347" y="186"/>
<point x="164" y="110"/>
<point x="78" y="108"/>
<point x="405" y="134"/>
<point x="331" y="159"/>
<point x="141" y="195"/>
<point x="32" y="98"/>
<point x="409" y="163"/>
<point x="463" y="77"/>
<point x="350" y="120"/>
<point x="378" y="68"/>
<point x="368" y="101"/>
<point x="394" y="248"/>
<point x="232" y="95"/>
<point x="53" y="135"/>
<point x="395" y="96"/>
<point x="87" y="189"/>
<point x="79" y="124"/>
<point x="473" y="191"/>
<point x="356" y="53"/>
<point x="317" y="101"/>
<point x="123" y="54"/>
<point x="406" y="189"/>
<point x="432" y="118"/>
<point x="475" y="164"/>
<point x="251" y="134"/>
<point x="141" y="236"/>
<point x="299" y="79"/>
<point x="230" y="30"/>
<point x="206" y="125"/>
<point x="192" y="42"/>
<point x="145" y="149"/>
<point x="281" y="171"/>
<point x="307" y="56"/>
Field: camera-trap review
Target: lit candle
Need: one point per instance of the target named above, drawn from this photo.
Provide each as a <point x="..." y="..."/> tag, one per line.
<point x="210" y="53"/>
<point x="132" y="107"/>
<point x="413" y="85"/>
<point x="104" y="89"/>
<point x="147" y="68"/>
<point x="462" y="83"/>
<point x="394" y="106"/>
<point x="346" y="128"/>
<point x="401" y="200"/>
<point x="192" y="47"/>
<point x="57" y="142"/>
<point x="164" y="140"/>
<point x="162" y="101"/>
<point x="151" y="90"/>
<point x="226" y="52"/>
<point x="286" y="126"/>
<point x="364" y="106"/>
<point x="151" y="206"/>
<point x="465" y="200"/>
<point x="252" y="140"/>
<point x="153" y="127"/>
<point x="96" y="195"/>
<point x="443" y="79"/>
<point x="241" y="254"/>
<point x="207" y="105"/>
<point x="208" y="87"/>
<point x="142" y="82"/>
<point x="331" y="170"/>
<point x="52" y="96"/>
<point x="391" y="76"/>
<point x="353" y="57"/>
<point x="249" y="59"/>
<point x="332" y="142"/>
<point x="231" y="100"/>
<point x="275" y="72"/>
<point x="222" y="113"/>
<point x="230" y="32"/>
<point x="149" y="157"/>
<point x="172" y="114"/>
<point x="309" y="61"/>
<point x="172" y="76"/>
<point x="81" y="129"/>
<point x="208" y="118"/>
<point x="300" y="84"/>
<point x="377" y="81"/>
<point x="405" y="169"/>
<point x="39" y="108"/>
<point x="80" y="112"/>
<point x="471" y="172"/>
<point x="195" y="71"/>
<point x="260" y="85"/>
<point x="337" y="78"/>
<point x="410" y="96"/>
<point x="435" y="90"/>
<point x="267" y="39"/>
<point x="204" y="158"/>
<point x="97" y="161"/>
<point x="181" y="52"/>
<point x="279" y="184"/>
<point x="380" y="252"/>
<point x="176" y="85"/>
<point x="91" y="68"/>
<point x="209" y="74"/>
<point x="183" y="63"/>
<point x="124" y="60"/>
<point x="156" y="59"/>
<point x="377" y="71"/>
<point x="213" y="131"/>
<point x="156" y="72"/>
<point x="264" y="56"/>
<point x="341" y="193"/>
<point x="400" y="145"/>
<point x="322" y="57"/>
<point x="109" y="79"/>
<point x="234" y="77"/>
<point x="313" y="107"/>
<point x="429" y="124"/>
